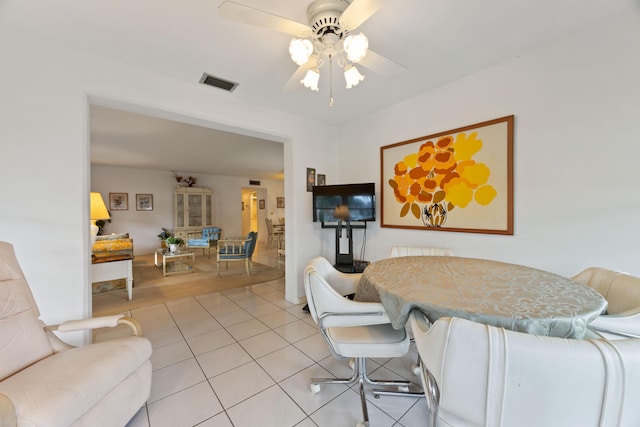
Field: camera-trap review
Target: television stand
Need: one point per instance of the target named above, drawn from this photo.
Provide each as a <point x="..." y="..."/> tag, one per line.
<point x="344" y="260"/>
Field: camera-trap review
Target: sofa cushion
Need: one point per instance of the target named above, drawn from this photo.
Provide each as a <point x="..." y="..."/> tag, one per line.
<point x="59" y="389"/>
<point x="114" y="236"/>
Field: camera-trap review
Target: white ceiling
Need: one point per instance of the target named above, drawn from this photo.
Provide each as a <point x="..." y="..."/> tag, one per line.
<point x="438" y="41"/>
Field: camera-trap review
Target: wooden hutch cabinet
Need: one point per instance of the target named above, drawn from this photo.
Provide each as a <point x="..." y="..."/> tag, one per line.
<point x="193" y="210"/>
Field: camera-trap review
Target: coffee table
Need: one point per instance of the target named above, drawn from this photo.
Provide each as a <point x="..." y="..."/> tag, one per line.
<point x="175" y="262"/>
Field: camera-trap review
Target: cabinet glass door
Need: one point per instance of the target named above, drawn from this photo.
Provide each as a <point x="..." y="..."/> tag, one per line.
<point x="208" y="210"/>
<point x="195" y="210"/>
<point x="179" y="210"/>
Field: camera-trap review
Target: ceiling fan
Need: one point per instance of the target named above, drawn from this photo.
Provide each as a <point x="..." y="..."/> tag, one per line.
<point x="327" y="36"/>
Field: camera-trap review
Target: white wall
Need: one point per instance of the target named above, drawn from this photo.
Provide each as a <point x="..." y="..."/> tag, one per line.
<point x="576" y="149"/>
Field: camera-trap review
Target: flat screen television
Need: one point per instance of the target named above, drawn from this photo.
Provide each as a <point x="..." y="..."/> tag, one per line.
<point x="360" y="200"/>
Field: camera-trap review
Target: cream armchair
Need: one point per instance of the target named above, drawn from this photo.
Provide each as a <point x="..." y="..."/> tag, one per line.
<point x="622" y="292"/>
<point x="48" y="383"/>
<point x="478" y="375"/>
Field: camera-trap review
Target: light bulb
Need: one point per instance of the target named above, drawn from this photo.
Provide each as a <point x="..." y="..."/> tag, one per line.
<point x="352" y="76"/>
<point x="311" y="79"/>
<point x="356" y="47"/>
<point x="300" y="50"/>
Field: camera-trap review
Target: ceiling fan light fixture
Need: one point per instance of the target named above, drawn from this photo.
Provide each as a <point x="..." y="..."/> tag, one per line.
<point x="311" y="79"/>
<point x="356" y="47"/>
<point x="300" y="50"/>
<point x="352" y="76"/>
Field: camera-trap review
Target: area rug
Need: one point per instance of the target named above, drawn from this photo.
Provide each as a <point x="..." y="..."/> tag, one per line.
<point x="150" y="287"/>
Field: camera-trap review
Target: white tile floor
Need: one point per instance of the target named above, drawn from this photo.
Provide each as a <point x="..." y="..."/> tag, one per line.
<point x="244" y="357"/>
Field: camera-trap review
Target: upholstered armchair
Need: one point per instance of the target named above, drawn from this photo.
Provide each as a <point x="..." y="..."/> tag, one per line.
<point x="477" y="375"/>
<point x="622" y="292"/>
<point x="45" y="382"/>
<point x="205" y="240"/>
<point x="237" y="250"/>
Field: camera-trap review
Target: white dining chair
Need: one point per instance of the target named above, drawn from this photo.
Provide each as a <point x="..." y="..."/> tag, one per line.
<point x="356" y="330"/>
<point x="622" y="292"/>
<point x="477" y="375"/>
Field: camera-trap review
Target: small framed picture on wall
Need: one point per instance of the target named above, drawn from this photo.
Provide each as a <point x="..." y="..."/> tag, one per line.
<point x="118" y="201"/>
<point x="311" y="178"/>
<point x="280" y="202"/>
<point x="322" y="179"/>
<point x="261" y="203"/>
<point x="144" y="202"/>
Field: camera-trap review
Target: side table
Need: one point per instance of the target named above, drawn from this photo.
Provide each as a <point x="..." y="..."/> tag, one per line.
<point x="111" y="268"/>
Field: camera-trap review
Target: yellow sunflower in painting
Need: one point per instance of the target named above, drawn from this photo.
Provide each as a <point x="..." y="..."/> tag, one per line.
<point x="441" y="176"/>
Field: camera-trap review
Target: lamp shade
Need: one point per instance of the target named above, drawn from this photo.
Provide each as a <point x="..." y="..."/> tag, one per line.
<point x="98" y="208"/>
<point x="311" y="79"/>
<point x="356" y="47"/>
<point x="352" y="76"/>
<point x="300" y="50"/>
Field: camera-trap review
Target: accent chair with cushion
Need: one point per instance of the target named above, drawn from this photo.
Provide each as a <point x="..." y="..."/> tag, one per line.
<point x="477" y="375"/>
<point x="207" y="239"/>
<point x="356" y="330"/>
<point x="622" y="292"/>
<point x="45" y="382"/>
<point x="237" y="250"/>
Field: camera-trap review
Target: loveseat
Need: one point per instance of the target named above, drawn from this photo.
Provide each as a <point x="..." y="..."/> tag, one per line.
<point x="113" y="244"/>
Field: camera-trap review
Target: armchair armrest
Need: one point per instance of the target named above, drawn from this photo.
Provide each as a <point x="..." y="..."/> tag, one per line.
<point x="7" y="412"/>
<point x="368" y="318"/>
<point x="85" y="324"/>
<point x="97" y="322"/>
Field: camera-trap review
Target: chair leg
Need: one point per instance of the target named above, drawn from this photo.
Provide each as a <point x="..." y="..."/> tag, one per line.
<point x="360" y="377"/>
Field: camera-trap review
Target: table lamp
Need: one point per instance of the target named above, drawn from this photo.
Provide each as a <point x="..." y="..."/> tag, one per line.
<point x="98" y="210"/>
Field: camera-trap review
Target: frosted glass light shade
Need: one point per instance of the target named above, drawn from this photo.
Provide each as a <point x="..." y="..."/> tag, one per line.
<point x="311" y="79"/>
<point x="352" y="76"/>
<point x="356" y="47"/>
<point x="300" y="50"/>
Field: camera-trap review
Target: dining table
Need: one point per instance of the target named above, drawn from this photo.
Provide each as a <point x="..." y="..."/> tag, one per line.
<point x="511" y="296"/>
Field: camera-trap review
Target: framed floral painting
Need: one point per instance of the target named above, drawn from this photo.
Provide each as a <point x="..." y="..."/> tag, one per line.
<point x="118" y="201"/>
<point x="457" y="180"/>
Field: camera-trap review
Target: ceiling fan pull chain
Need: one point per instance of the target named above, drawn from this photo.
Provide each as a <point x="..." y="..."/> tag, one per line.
<point x="330" y="81"/>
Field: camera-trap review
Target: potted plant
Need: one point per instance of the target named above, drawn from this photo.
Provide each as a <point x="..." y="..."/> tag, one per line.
<point x="174" y="242"/>
<point x="163" y="236"/>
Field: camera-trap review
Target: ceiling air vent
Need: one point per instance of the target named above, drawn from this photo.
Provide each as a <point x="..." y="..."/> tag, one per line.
<point x="214" y="81"/>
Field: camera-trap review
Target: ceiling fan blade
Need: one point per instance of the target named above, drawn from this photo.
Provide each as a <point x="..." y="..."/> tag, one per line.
<point x="358" y="12"/>
<point x="294" y="81"/>
<point x="249" y="15"/>
<point x="381" y="65"/>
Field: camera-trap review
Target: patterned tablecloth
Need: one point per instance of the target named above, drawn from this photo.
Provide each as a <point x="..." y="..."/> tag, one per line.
<point x="505" y="295"/>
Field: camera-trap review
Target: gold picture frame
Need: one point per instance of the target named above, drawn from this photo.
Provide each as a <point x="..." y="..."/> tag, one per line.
<point x="457" y="180"/>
